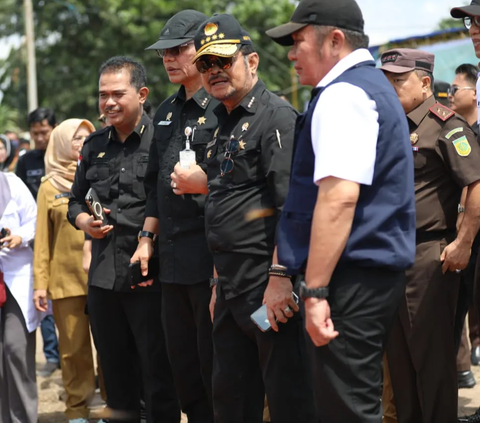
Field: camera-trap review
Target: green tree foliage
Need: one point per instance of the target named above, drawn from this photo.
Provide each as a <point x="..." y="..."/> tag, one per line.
<point x="73" y="38"/>
<point x="448" y="23"/>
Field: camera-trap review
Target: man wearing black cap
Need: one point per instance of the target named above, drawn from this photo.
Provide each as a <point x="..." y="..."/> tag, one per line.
<point x="420" y="351"/>
<point x="347" y="229"/>
<point x="248" y="162"/>
<point x="176" y="214"/>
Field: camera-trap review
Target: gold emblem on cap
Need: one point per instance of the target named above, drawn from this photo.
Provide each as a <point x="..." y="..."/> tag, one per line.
<point x="201" y="120"/>
<point x="210" y="29"/>
<point x="214" y="37"/>
<point x="202" y="42"/>
<point x="209" y="154"/>
<point x="414" y="138"/>
<point x="221" y="35"/>
<point x="208" y="39"/>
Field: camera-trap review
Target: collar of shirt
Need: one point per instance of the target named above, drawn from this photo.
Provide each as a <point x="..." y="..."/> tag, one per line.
<point x="139" y="129"/>
<point x="249" y="103"/>
<point x="354" y="58"/>
<point x="418" y="114"/>
<point x="201" y="97"/>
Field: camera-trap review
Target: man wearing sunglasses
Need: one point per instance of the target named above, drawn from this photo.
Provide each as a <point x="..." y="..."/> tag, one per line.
<point x="176" y="214"/>
<point x="248" y="167"/>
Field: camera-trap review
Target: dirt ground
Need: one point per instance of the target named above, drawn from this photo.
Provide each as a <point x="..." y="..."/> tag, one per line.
<point x="51" y="394"/>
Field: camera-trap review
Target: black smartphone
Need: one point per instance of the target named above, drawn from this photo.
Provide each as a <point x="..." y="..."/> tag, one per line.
<point x="260" y="318"/>
<point x="95" y="207"/>
<point x="135" y="272"/>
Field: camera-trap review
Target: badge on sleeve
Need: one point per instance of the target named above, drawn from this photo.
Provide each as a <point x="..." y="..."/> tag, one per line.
<point x="462" y="146"/>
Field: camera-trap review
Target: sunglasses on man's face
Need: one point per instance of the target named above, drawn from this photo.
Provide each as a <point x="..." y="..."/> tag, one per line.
<point x="468" y="21"/>
<point x="205" y="63"/>
<point x="174" y="51"/>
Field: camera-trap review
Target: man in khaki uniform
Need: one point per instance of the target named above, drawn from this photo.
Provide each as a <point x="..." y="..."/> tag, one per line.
<point x="420" y="352"/>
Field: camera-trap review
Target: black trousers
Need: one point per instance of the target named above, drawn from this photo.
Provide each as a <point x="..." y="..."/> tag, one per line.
<point x="188" y="333"/>
<point x="128" y="327"/>
<point x="348" y="371"/>
<point x="249" y="363"/>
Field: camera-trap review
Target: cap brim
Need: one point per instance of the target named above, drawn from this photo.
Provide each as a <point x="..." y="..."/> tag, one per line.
<point x="461" y="12"/>
<point x="222" y="50"/>
<point x="396" y="69"/>
<point x="161" y="44"/>
<point x="283" y="34"/>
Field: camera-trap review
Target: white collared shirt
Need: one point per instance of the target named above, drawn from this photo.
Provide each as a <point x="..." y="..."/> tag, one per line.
<point x="345" y="127"/>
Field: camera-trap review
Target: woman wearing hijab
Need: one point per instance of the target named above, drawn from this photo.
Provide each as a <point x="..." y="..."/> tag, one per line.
<point x="18" y="317"/>
<point x="7" y="154"/>
<point x="58" y="270"/>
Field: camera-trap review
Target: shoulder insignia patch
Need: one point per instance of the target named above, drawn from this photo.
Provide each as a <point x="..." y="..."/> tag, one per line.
<point x="462" y="146"/>
<point x="453" y="132"/>
<point x="442" y="112"/>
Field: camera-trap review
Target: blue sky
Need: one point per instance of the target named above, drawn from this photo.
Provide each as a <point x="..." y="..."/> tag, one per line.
<point x="390" y="19"/>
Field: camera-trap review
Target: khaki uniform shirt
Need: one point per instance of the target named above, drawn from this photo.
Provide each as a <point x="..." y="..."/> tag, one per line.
<point x="57" y="262"/>
<point x="446" y="157"/>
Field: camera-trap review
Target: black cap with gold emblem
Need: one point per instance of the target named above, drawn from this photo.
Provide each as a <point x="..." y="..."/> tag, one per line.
<point x="221" y="35"/>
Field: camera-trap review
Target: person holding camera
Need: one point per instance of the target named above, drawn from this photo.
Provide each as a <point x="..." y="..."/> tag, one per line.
<point x="58" y="252"/>
<point x="126" y="323"/>
<point x="18" y="317"/>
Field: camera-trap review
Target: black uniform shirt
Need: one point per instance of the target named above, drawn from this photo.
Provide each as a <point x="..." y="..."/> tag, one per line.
<point x="243" y="207"/>
<point x="183" y="250"/>
<point x="31" y="169"/>
<point x="116" y="172"/>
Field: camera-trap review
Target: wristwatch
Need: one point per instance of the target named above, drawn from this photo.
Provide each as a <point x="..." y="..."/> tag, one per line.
<point x="213" y="282"/>
<point x="460" y="209"/>
<point x="146" y="234"/>
<point x="312" y="292"/>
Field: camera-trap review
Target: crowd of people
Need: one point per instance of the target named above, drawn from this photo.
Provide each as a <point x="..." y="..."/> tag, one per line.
<point x="240" y="262"/>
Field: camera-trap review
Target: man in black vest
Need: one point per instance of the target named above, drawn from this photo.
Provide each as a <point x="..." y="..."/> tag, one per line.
<point x="348" y="225"/>
<point x="248" y="162"/>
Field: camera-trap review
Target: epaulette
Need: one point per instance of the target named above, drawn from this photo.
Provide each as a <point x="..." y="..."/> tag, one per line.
<point x="96" y="134"/>
<point x="442" y="112"/>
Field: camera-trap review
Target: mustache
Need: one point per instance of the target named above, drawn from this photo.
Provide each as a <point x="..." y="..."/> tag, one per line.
<point x="215" y="77"/>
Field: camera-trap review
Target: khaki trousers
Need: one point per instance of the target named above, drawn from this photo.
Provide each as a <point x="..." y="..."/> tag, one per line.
<point x="76" y="356"/>
<point x="388" y="401"/>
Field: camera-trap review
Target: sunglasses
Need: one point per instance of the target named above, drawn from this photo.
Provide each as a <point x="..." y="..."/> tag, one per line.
<point x="205" y="63"/>
<point x="174" y="51"/>
<point x="468" y="21"/>
<point x="454" y="89"/>
<point x="233" y="145"/>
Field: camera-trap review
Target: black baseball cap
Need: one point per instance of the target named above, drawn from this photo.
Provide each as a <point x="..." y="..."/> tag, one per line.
<point x="221" y="35"/>
<point x="343" y="14"/>
<point x="179" y="29"/>
<point x="461" y="12"/>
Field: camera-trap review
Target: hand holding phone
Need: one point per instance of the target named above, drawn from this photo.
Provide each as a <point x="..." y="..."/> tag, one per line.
<point x="260" y="317"/>
<point x="135" y="276"/>
<point x="96" y="209"/>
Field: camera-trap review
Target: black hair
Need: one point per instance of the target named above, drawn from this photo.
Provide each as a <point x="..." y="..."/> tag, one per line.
<point x="41" y="114"/>
<point x="470" y="72"/>
<point x="138" y="74"/>
<point x="147" y="107"/>
<point x="422" y="73"/>
<point x="23" y="141"/>
<point x="246" y="49"/>
<point x="11" y="151"/>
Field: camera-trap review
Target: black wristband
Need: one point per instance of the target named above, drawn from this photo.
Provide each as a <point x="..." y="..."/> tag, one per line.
<point x="305" y="292"/>
<point x="213" y="282"/>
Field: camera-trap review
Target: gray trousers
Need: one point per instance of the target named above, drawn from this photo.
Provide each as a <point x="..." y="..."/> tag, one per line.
<point x="18" y="387"/>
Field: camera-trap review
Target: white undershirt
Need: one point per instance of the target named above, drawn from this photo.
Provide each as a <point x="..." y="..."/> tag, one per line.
<point x="345" y="127"/>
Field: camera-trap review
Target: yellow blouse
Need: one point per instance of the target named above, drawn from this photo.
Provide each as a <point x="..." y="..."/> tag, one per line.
<point x="57" y="258"/>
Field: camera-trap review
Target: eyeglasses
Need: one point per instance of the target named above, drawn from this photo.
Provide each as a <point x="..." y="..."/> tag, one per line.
<point x="227" y="164"/>
<point x="174" y="51"/>
<point x="205" y="63"/>
<point x="454" y="89"/>
<point x="468" y="21"/>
